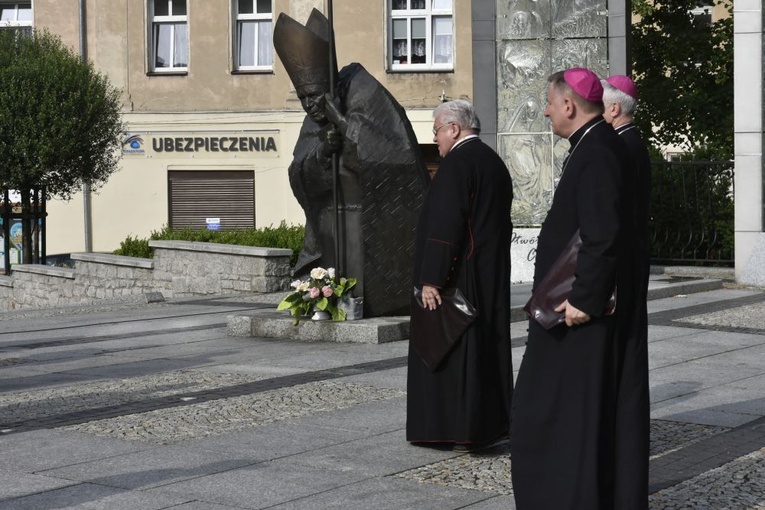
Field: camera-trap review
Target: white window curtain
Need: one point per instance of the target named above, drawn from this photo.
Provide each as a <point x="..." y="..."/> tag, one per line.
<point x="254" y="46"/>
<point x="246" y="43"/>
<point x="265" y="36"/>
<point x="443" y="40"/>
<point x="172" y="46"/>
<point x="181" y="46"/>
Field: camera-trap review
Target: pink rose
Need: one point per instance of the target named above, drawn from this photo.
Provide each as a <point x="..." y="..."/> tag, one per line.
<point x="314" y="292"/>
<point x="326" y="290"/>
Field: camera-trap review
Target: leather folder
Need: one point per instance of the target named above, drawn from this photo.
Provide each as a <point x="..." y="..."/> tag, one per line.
<point x="434" y="332"/>
<point x="556" y="286"/>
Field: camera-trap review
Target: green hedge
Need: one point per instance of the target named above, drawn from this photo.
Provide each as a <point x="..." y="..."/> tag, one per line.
<point x="283" y="236"/>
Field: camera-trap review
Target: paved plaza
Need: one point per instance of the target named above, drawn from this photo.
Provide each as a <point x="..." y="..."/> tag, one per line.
<point x="154" y="407"/>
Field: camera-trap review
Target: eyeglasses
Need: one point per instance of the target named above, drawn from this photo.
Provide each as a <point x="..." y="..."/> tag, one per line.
<point x="437" y="129"/>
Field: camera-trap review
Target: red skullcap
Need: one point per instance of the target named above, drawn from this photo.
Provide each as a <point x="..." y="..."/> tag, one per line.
<point x="585" y="83"/>
<point x="624" y="83"/>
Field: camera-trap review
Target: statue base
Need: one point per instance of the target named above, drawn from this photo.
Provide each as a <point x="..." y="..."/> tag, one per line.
<point x="279" y="324"/>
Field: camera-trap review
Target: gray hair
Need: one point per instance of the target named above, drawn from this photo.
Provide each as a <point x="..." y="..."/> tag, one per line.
<point x="613" y="95"/>
<point x="460" y="112"/>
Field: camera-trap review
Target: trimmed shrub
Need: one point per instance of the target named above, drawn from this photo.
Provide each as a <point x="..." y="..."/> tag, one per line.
<point x="283" y="236"/>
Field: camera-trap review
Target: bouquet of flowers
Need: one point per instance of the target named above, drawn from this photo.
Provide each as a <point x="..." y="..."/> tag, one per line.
<point x="322" y="291"/>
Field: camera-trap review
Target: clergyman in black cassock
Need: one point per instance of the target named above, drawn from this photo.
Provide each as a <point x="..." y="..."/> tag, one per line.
<point x="463" y="240"/>
<point x="567" y="398"/>
<point x="633" y="414"/>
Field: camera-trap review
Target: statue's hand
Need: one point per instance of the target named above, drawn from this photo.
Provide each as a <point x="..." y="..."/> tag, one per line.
<point x="332" y="143"/>
<point x="333" y="114"/>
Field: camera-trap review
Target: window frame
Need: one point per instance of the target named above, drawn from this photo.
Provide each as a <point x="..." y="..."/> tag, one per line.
<point x="429" y="14"/>
<point x="238" y="20"/>
<point x="172" y="20"/>
<point x="15" y="23"/>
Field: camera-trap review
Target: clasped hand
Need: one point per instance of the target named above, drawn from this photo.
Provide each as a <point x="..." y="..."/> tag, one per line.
<point x="431" y="298"/>
<point x="574" y="316"/>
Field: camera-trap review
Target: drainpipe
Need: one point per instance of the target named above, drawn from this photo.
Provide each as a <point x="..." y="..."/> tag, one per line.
<point x="87" y="230"/>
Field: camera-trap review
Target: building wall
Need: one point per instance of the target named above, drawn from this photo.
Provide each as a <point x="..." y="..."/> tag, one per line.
<point x="748" y="75"/>
<point x="210" y="98"/>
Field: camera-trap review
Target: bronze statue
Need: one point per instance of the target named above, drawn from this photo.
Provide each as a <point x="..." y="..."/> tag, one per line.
<point x="381" y="175"/>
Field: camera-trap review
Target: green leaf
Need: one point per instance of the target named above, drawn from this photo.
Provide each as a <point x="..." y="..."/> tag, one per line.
<point x="338" y="314"/>
<point x="290" y="301"/>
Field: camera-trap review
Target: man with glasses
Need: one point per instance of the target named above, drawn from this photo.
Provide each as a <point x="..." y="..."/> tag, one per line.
<point x="463" y="241"/>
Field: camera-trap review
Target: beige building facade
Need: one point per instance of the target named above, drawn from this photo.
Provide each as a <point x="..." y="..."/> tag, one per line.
<point x="211" y="116"/>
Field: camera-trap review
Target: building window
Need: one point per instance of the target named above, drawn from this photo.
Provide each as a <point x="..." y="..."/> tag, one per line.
<point x="421" y="34"/>
<point x="253" y="41"/>
<point x="702" y="14"/>
<point x="16" y="16"/>
<point x="169" y="35"/>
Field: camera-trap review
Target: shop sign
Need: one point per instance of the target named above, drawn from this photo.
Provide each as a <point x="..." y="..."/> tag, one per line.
<point x="217" y="144"/>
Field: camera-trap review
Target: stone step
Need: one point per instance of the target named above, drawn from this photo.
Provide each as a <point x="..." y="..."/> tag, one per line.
<point x="378" y="330"/>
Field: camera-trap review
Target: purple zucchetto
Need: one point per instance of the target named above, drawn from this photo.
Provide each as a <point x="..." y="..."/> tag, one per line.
<point x="585" y="83"/>
<point x="623" y="83"/>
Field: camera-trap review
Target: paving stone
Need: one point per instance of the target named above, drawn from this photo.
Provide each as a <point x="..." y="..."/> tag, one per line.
<point x="166" y="426"/>
<point x="291" y="426"/>
<point x="749" y="317"/>
<point x="737" y="485"/>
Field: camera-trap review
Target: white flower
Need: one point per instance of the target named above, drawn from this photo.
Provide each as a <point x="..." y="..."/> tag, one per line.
<point x="331" y="272"/>
<point x="318" y="273"/>
<point x="302" y="287"/>
<point x="296" y="284"/>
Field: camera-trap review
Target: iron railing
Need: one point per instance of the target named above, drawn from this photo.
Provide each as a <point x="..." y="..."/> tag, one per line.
<point x="692" y="213"/>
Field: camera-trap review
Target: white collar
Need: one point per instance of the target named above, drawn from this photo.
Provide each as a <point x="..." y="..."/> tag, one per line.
<point x="462" y="141"/>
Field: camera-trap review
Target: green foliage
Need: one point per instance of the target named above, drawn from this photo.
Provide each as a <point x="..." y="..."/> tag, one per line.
<point x="135" y="247"/>
<point x="60" y="120"/>
<point x="283" y="236"/>
<point x="684" y="71"/>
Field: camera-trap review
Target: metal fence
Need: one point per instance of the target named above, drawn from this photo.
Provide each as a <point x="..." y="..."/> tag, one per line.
<point x="692" y="213"/>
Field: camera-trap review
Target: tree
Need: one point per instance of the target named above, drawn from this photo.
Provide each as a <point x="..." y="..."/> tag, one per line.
<point x="60" y="120"/>
<point x="683" y="66"/>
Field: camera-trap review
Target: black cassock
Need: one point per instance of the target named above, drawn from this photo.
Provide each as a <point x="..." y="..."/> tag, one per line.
<point x="574" y="441"/>
<point x="463" y="240"/>
<point x="633" y="411"/>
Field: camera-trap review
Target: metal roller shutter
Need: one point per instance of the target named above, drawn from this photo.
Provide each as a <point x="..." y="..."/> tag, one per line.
<point x="195" y="196"/>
